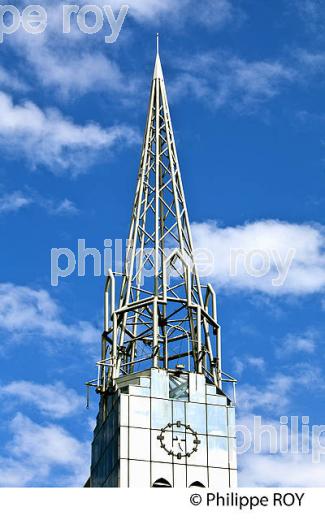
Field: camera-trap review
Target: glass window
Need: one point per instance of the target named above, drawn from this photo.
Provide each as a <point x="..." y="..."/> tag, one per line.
<point x="158" y="453"/>
<point x="197" y="474"/>
<point x="211" y="390"/>
<point x="159" y="384"/>
<point x="231" y="422"/>
<point x="179" y="476"/>
<point x="139" y="474"/>
<point x="199" y="457"/>
<point x="178" y="416"/>
<point x="218" y="451"/>
<point x="139" y="411"/>
<point x="124" y="410"/>
<point x="145" y="381"/>
<point x="161" y="413"/>
<point x="124" y="442"/>
<point x="197" y="388"/>
<point x="178" y="387"/>
<point x="196" y="417"/>
<point x="162" y="471"/>
<point x="124" y="473"/>
<point x="139" y="444"/>
<point x="139" y="390"/>
<point x="233" y="478"/>
<point x="217" y="399"/>
<point x="232" y="454"/>
<point x="161" y="483"/>
<point x="217" y="420"/>
<point x="218" y="478"/>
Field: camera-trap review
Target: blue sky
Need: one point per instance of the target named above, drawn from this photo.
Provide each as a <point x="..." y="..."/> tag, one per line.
<point x="245" y="81"/>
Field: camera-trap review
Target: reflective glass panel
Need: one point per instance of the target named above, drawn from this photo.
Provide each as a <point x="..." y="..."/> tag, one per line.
<point x="196" y="416"/>
<point x="231" y="422"/>
<point x="233" y="478"/>
<point x="124" y="410"/>
<point x="139" y="444"/>
<point x="139" y="411"/>
<point x="158" y="453"/>
<point x="139" y="390"/>
<point x="232" y="453"/>
<point x="180" y="476"/>
<point x="159" y="384"/>
<point x="161" y="413"/>
<point x="124" y="473"/>
<point x="139" y="474"/>
<point x="218" y="478"/>
<point x="124" y="442"/>
<point x="199" y="457"/>
<point x="217" y="399"/>
<point x="218" y="451"/>
<point x="197" y="474"/>
<point x="197" y="388"/>
<point x="178" y="387"/>
<point x="217" y="420"/>
<point x="178" y="416"/>
<point x="162" y="471"/>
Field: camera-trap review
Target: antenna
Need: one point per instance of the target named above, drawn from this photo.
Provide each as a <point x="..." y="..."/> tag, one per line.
<point x="157" y="43"/>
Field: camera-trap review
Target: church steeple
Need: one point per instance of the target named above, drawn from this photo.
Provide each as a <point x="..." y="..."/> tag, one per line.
<point x="164" y="419"/>
<point x="162" y="317"/>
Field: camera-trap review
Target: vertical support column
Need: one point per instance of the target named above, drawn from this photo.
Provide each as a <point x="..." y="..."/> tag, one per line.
<point x="157" y="187"/>
<point x="155" y="334"/>
<point x="219" y="374"/>
<point x="157" y="227"/>
<point x="199" y="340"/>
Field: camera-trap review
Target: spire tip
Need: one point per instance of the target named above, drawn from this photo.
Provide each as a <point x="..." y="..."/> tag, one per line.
<point x="158" y="74"/>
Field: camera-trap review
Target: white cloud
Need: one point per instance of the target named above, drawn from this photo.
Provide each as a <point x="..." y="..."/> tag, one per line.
<point x="58" y="62"/>
<point x="255" y="362"/>
<point x="12" y="202"/>
<point x="279" y="457"/>
<point x="65" y="207"/>
<point x="53" y="400"/>
<point x="217" y="12"/>
<point x="37" y="450"/>
<point x="274" y="396"/>
<point x="314" y="61"/>
<point x="46" y="137"/>
<point x="78" y="74"/>
<point x="293" y="343"/>
<point x="11" y="81"/>
<point x="280" y="470"/>
<point x="312" y="12"/>
<point x="220" y="78"/>
<point x="268" y="256"/>
<point x="28" y="311"/>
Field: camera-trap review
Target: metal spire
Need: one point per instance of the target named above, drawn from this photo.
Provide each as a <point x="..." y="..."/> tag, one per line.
<point x="158" y="73"/>
<point x="162" y="317"/>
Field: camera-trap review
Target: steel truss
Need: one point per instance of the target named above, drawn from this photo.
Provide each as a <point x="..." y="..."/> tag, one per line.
<point x="162" y="316"/>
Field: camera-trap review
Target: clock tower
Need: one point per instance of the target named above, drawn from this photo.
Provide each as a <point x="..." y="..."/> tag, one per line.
<point x="165" y="419"/>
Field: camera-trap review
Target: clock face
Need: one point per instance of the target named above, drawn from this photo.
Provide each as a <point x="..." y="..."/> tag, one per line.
<point x="183" y="443"/>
